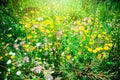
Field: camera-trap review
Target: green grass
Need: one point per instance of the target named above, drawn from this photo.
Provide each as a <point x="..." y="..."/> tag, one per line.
<point x="65" y="39"/>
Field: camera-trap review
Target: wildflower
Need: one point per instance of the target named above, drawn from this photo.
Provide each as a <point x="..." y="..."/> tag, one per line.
<point x="99" y="56"/>
<point x="1" y="57"/>
<point x="62" y="54"/>
<point x="12" y="57"/>
<point x="89" y="49"/>
<point x="106" y="48"/>
<point x="11" y="53"/>
<point x="26" y="59"/>
<point x="9" y="61"/>
<point x="18" y="73"/>
<point x="94" y="51"/>
<point x="90" y="43"/>
<point x="99" y="36"/>
<point x="38" y="44"/>
<point x="9" y="35"/>
<point x="40" y="50"/>
<point x="40" y="18"/>
<point x="68" y="57"/>
<point x="104" y="55"/>
<point x="79" y="53"/>
<point x="13" y="67"/>
<point x="7" y="73"/>
<point x="37" y="69"/>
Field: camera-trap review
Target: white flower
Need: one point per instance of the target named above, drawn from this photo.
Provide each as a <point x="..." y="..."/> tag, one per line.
<point x="40" y="18"/>
<point x="18" y="73"/>
<point x="38" y="44"/>
<point x="11" y="53"/>
<point x="9" y="61"/>
<point x="9" y="69"/>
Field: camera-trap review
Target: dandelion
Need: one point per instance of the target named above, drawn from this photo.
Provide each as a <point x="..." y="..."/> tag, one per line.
<point x="79" y="53"/>
<point x="89" y="49"/>
<point x="106" y="48"/>
<point x="1" y="57"/>
<point x="94" y="51"/>
<point x="18" y="73"/>
<point x="9" y="61"/>
<point x="99" y="56"/>
<point x="104" y="55"/>
<point x="69" y="57"/>
<point x="12" y="57"/>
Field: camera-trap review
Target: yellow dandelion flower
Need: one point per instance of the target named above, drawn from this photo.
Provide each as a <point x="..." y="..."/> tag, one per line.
<point x="104" y="33"/>
<point x="32" y="48"/>
<point x="94" y="51"/>
<point x="9" y="35"/>
<point x="12" y="57"/>
<point x="106" y="48"/>
<point x="40" y="50"/>
<point x="90" y="42"/>
<point x="13" y="67"/>
<point x="104" y="55"/>
<point x="40" y="62"/>
<point x="106" y="38"/>
<point x="29" y="37"/>
<point x="1" y="57"/>
<point x="99" y="56"/>
<point x="79" y="53"/>
<point x="69" y="57"/>
<point x="90" y="49"/>
<point x="99" y="36"/>
<point x="46" y="48"/>
<point x="47" y="31"/>
<point x="36" y="58"/>
<point x="64" y="35"/>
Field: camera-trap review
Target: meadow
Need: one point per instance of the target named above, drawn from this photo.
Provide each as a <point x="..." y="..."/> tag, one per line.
<point x="59" y="40"/>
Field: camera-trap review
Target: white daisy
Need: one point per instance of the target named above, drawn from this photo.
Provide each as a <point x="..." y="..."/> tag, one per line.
<point x="18" y="73"/>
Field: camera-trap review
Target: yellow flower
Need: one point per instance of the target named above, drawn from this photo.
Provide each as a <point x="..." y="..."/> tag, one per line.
<point x="1" y="57"/>
<point x="110" y="44"/>
<point x="90" y="42"/>
<point x="46" y="48"/>
<point x="12" y="57"/>
<point x="79" y="53"/>
<point x="7" y="73"/>
<point x="106" y="38"/>
<point x="99" y="56"/>
<point x="40" y="50"/>
<point x="68" y="57"/>
<point x="40" y="62"/>
<point x="13" y="67"/>
<point x="64" y="35"/>
<point x="36" y="58"/>
<point x="33" y="48"/>
<point x="104" y="33"/>
<point x="99" y="36"/>
<point x="104" y="55"/>
<point x="29" y="37"/>
<point x="106" y="48"/>
<point x="28" y="25"/>
<point x="9" y="35"/>
<point x="47" y="31"/>
<point x="94" y="51"/>
<point x="90" y="49"/>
